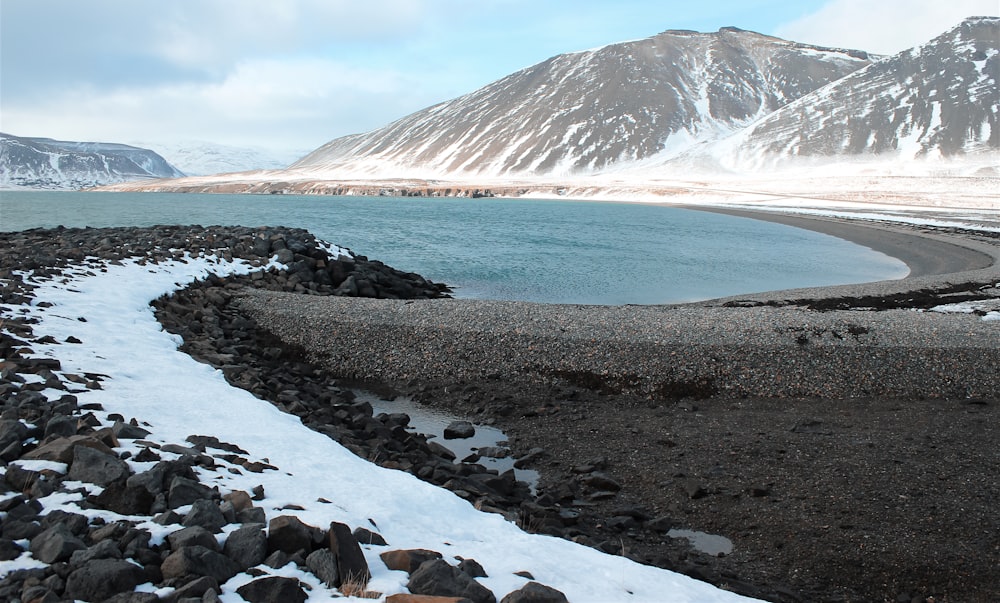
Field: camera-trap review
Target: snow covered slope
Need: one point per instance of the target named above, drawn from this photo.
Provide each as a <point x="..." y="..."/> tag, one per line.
<point x="581" y="112"/>
<point x="940" y="99"/>
<point x="57" y="164"/>
<point x="200" y="158"/>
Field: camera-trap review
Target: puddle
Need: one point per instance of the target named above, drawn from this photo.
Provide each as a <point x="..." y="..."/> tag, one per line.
<point x="710" y="544"/>
<point x="432" y="422"/>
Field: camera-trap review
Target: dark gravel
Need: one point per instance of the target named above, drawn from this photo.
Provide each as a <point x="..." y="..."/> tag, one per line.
<point x="849" y="454"/>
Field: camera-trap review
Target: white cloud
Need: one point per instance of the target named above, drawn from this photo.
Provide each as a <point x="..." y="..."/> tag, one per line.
<point x="284" y="104"/>
<point x="883" y="26"/>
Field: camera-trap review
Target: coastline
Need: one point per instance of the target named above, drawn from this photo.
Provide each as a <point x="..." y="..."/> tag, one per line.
<point x="756" y="418"/>
<point x="830" y="447"/>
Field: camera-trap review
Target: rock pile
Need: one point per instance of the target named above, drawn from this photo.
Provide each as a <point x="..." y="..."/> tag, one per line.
<point x="105" y="538"/>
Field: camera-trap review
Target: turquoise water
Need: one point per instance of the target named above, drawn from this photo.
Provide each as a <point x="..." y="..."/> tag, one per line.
<point x="546" y="251"/>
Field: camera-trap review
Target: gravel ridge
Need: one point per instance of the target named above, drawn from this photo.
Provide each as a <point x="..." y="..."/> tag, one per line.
<point x="843" y="438"/>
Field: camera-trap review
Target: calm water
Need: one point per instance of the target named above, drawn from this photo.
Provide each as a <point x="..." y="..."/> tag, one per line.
<point x="547" y="251"/>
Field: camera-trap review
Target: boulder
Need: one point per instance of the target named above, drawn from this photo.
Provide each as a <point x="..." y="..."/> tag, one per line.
<point x="60" y="450"/>
<point x="100" y="579"/>
<point x="288" y="534"/>
<point x="192" y="536"/>
<point x="533" y="592"/>
<point x="437" y="577"/>
<point x="351" y="563"/>
<point x="185" y="491"/>
<point x="247" y="545"/>
<point x="55" y="544"/>
<point x="407" y="560"/>
<point x="96" y="467"/>
<point x="323" y="564"/>
<point x="199" y="561"/>
<point x="206" y="514"/>
<point x="457" y="430"/>
<point x="273" y="589"/>
<point x="196" y="589"/>
<point x="105" y="549"/>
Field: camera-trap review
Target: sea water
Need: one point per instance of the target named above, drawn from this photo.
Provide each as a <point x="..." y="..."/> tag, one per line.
<point x="514" y="249"/>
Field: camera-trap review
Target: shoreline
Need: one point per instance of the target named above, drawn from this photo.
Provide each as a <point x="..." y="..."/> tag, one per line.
<point x="826" y="495"/>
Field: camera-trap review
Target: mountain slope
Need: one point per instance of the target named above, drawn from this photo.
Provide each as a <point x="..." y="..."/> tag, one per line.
<point x="47" y="163"/>
<point x="585" y="111"/>
<point x="940" y="99"/>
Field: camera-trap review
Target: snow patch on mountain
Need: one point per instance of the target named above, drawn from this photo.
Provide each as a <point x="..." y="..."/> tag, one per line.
<point x="583" y="112"/>
<point x="201" y="158"/>
<point x="59" y="164"/>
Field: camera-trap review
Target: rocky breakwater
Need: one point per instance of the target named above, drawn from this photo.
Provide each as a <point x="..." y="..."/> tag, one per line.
<point x="91" y="509"/>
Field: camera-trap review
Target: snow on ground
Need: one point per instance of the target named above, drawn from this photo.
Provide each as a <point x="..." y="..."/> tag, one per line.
<point x="149" y="379"/>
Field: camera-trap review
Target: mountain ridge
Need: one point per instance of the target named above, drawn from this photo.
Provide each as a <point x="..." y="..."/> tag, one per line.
<point x="60" y="164"/>
<point x="567" y="114"/>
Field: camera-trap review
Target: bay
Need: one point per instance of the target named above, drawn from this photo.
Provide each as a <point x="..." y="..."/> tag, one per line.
<point x="517" y="249"/>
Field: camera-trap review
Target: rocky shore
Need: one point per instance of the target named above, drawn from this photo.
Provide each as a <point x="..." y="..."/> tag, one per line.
<point x="848" y="455"/>
<point x="59" y="449"/>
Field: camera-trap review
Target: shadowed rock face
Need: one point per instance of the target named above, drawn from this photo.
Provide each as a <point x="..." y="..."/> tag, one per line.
<point x="47" y="163"/>
<point x="585" y="111"/>
<point x="941" y="97"/>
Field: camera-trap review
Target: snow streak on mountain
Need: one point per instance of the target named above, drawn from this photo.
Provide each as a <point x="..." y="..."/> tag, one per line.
<point x="199" y="158"/>
<point x="940" y="99"/>
<point x="583" y="112"/>
<point x="56" y="164"/>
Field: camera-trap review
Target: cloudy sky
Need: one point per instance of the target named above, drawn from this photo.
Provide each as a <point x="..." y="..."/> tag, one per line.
<point x="292" y="74"/>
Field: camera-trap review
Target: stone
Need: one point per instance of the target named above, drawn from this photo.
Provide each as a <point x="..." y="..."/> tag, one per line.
<point x="192" y="536"/>
<point x="472" y="568"/>
<point x="96" y="467"/>
<point x="351" y="563"/>
<point x="105" y="549"/>
<point x="125" y="499"/>
<point x="205" y="513"/>
<point x="55" y="544"/>
<point x="323" y="564"/>
<point x="100" y="579"/>
<point x="196" y="589"/>
<point x="60" y="425"/>
<point x="185" y="491"/>
<point x="126" y="431"/>
<point x="60" y="450"/>
<point x="366" y="536"/>
<point x="273" y="589"/>
<point x="533" y="592"/>
<point x="199" y="561"/>
<point x="12" y="432"/>
<point x="287" y="533"/>
<point x="437" y="577"/>
<point x="9" y="549"/>
<point x="247" y="545"/>
<point x="601" y="481"/>
<point x="407" y="560"/>
<point x="134" y="597"/>
<point x="458" y="430"/>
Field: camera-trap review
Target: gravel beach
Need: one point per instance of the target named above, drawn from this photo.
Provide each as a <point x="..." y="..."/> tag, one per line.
<point x="844" y="438"/>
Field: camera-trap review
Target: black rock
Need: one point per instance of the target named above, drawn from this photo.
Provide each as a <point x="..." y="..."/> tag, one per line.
<point x="247" y="545"/>
<point x="55" y="544"/>
<point x="459" y="430"/>
<point x="351" y="563"/>
<point x="438" y="578"/>
<point x="287" y="533"/>
<point x="105" y="549"/>
<point x="199" y="561"/>
<point x="323" y="563"/>
<point x="100" y="579"/>
<point x="273" y="589"/>
<point x="96" y="467"/>
<point x="533" y="592"/>
<point x="192" y="536"/>
<point x="9" y="549"/>
<point x="185" y="491"/>
<point x="205" y="513"/>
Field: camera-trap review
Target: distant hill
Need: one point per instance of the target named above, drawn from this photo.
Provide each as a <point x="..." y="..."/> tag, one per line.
<point x="200" y="158"/>
<point x="584" y="112"/>
<point x="57" y="164"/>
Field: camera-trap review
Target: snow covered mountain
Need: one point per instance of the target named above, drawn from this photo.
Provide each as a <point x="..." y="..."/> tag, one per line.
<point x="940" y="99"/>
<point x="200" y="158"/>
<point x="582" y="112"/>
<point x="57" y="164"/>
